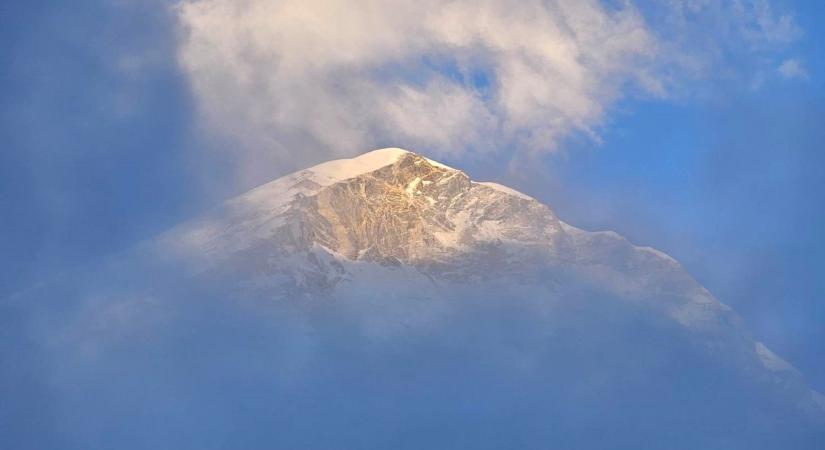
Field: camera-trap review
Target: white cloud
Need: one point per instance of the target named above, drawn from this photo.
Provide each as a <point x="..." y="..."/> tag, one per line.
<point x="792" y="68"/>
<point x="300" y="80"/>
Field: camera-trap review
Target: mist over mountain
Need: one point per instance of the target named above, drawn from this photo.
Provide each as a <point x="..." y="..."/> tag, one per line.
<point x="390" y="301"/>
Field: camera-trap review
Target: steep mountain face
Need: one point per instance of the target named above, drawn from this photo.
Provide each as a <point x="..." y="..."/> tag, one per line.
<point x="389" y="301"/>
<point x="392" y="207"/>
<point x="407" y="210"/>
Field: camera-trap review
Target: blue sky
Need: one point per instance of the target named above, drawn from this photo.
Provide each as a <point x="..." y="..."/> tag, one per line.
<point x="105" y="143"/>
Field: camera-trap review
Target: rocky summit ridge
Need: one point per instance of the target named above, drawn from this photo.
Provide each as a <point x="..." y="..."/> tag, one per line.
<point x="393" y="206"/>
<point x="312" y="229"/>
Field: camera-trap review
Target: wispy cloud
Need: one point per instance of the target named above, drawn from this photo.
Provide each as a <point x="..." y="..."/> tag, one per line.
<point x="792" y="68"/>
<point x="328" y="78"/>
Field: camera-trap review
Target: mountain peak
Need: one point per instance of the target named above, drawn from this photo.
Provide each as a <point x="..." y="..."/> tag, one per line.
<point x="389" y="205"/>
<point x="395" y="205"/>
<point x="341" y="169"/>
<point x="390" y="223"/>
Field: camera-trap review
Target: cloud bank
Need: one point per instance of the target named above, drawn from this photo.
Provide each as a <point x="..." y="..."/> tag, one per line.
<point x="140" y="354"/>
<point x="792" y="68"/>
<point x="291" y="81"/>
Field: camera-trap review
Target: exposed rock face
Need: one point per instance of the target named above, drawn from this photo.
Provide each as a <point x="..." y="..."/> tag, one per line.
<point x="416" y="213"/>
<point x="306" y="230"/>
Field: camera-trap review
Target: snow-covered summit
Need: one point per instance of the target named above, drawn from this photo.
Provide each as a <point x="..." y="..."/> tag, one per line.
<point x="393" y="207"/>
<point x="338" y="170"/>
<point x="341" y="169"/>
<point x="387" y="204"/>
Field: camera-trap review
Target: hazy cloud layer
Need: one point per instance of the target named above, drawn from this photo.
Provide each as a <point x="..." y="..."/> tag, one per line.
<point x="323" y="78"/>
<point x="139" y="354"/>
